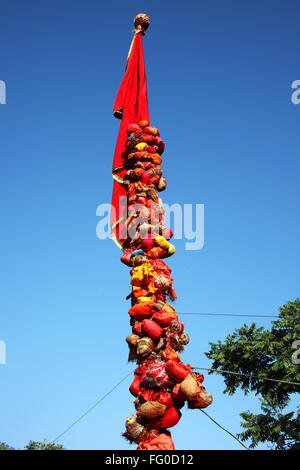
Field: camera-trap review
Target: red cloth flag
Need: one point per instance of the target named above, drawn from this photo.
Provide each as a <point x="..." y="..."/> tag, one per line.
<point x="131" y="106"/>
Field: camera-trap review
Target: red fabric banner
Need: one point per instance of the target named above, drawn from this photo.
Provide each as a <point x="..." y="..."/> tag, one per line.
<point x="131" y="106"/>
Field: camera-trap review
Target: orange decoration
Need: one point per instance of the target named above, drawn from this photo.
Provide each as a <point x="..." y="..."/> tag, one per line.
<point x="143" y="123"/>
<point x="169" y="353"/>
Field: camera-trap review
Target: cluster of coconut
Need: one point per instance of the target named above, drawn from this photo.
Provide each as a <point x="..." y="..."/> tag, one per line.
<point x="140" y="348"/>
<point x="143" y="180"/>
<point x="162" y="383"/>
<point x="143" y="158"/>
<point x="161" y="389"/>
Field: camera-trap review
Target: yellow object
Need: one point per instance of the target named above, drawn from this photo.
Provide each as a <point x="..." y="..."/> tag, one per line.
<point x="170" y="309"/>
<point x="142" y="299"/>
<point x="139" y="186"/>
<point x="171" y="250"/>
<point x="142" y="275"/>
<point x="138" y="292"/>
<point x="162" y="242"/>
<point x="141" y="145"/>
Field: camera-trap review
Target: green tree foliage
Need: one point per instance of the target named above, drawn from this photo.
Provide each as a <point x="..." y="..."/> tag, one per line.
<point x="258" y="353"/>
<point x="4" y="446"/>
<point x="33" y="445"/>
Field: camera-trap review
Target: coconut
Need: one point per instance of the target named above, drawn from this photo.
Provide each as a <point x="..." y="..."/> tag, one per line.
<point x="145" y="347"/>
<point x="203" y="400"/>
<point x="138" y="260"/>
<point x="152" y="410"/>
<point x="134" y="430"/>
<point x="132" y="339"/>
<point x="189" y="387"/>
<point x="184" y="338"/>
<point x="162" y="184"/>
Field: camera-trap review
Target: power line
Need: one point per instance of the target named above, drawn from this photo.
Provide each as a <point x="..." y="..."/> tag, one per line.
<point x="219" y="425"/>
<point x="227" y="314"/>
<point x="200" y="368"/>
<point x="92" y="407"/>
<point x="110" y="391"/>
<point x="247" y="375"/>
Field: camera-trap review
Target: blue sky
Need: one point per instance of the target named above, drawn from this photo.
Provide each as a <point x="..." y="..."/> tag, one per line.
<point x="219" y="87"/>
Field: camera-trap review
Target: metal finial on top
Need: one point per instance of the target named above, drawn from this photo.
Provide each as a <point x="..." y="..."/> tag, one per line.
<point x="141" y="21"/>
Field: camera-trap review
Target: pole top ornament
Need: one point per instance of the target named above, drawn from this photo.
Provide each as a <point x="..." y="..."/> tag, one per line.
<point x="141" y="22"/>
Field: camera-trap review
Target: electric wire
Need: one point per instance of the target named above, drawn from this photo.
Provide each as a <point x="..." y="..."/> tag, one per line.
<point x="227" y="314"/>
<point x="246" y="375"/>
<point x="194" y="368"/>
<point x="92" y="407"/>
<point x="110" y="391"/>
<point x="219" y="425"/>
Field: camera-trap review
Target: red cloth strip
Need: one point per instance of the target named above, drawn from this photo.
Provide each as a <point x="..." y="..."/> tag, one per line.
<point x="132" y="103"/>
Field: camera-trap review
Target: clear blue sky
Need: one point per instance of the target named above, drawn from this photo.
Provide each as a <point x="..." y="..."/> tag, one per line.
<point x="219" y="86"/>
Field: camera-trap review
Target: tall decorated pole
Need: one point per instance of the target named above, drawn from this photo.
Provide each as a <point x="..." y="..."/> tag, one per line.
<point x="162" y="382"/>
